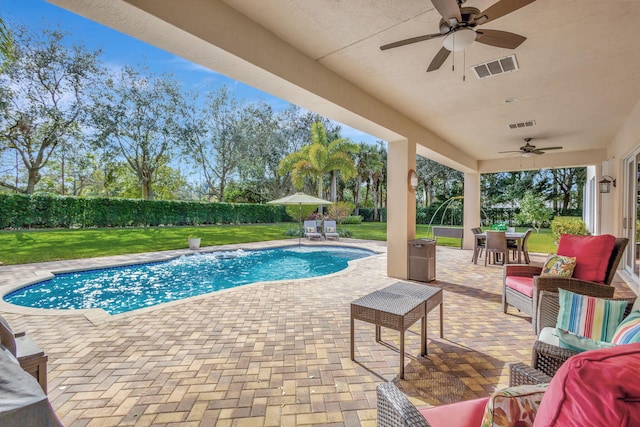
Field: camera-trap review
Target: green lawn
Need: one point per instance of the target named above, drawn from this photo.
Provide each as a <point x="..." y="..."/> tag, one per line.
<point x="21" y="247"/>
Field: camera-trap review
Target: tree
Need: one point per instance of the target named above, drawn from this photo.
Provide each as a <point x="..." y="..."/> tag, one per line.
<point x="217" y="139"/>
<point x="320" y="158"/>
<point x="368" y="163"/>
<point x="43" y="99"/>
<point x="567" y="183"/>
<point x="439" y="182"/>
<point x="7" y="46"/>
<point x="258" y="177"/>
<point x="140" y="116"/>
<point x="533" y="211"/>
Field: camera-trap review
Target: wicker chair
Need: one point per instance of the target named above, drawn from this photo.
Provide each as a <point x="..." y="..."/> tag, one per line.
<point x="529" y="305"/>
<point x="547" y="358"/>
<point x="395" y="410"/>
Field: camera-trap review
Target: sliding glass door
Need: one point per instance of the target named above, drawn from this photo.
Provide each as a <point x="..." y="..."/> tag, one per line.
<point x="631" y="215"/>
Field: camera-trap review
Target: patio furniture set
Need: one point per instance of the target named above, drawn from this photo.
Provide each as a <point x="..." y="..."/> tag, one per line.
<point x="328" y="231"/>
<point x="499" y="244"/>
<point x="587" y="348"/>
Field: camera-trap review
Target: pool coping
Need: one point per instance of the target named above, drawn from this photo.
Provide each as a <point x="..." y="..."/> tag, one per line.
<point x="98" y="316"/>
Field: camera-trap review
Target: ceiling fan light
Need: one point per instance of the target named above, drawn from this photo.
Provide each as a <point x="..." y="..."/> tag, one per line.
<point x="459" y="40"/>
<point x="527" y="154"/>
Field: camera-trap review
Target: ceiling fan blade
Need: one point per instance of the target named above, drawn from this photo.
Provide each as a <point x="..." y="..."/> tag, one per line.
<point x="499" y="38"/>
<point x="550" y="148"/>
<point x="439" y="59"/>
<point x="512" y="151"/>
<point x="448" y="9"/>
<point x="410" y="41"/>
<point x="499" y="9"/>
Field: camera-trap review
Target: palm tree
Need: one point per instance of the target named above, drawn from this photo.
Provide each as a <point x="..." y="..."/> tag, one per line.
<point x="368" y="160"/>
<point x="319" y="158"/>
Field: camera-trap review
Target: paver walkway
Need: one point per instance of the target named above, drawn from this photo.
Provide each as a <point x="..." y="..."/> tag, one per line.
<point x="273" y="354"/>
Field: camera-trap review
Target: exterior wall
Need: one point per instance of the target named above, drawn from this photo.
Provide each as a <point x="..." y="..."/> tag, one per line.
<point x="626" y="140"/>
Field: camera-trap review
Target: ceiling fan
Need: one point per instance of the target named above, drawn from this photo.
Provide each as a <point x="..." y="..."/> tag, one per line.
<point x="528" y="150"/>
<point x="457" y="26"/>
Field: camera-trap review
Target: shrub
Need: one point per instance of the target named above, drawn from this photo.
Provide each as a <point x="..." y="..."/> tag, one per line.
<point x="345" y="233"/>
<point x="340" y="210"/>
<point x="353" y="219"/>
<point x="294" y="232"/>
<point x="567" y="225"/>
<point x="300" y="212"/>
<point x="45" y="211"/>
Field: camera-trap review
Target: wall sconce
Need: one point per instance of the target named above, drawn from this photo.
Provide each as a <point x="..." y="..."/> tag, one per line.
<point x="413" y="180"/>
<point x="605" y="183"/>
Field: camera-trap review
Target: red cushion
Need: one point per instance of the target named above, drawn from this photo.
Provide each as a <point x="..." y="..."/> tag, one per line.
<point x="594" y="388"/>
<point x="524" y="285"/>
<point x="467" y="413"/>
<point x="592" y="254"/>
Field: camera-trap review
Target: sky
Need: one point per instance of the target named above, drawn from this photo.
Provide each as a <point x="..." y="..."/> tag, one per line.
<point x="120" y="49"/>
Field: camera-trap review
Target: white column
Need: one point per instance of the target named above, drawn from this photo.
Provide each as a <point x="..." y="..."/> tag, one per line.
<point x="401" y="206"/>
<point x="471" y="207"/>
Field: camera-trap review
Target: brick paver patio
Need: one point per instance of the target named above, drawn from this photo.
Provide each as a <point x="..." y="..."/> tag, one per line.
<point x="272" y="354"/>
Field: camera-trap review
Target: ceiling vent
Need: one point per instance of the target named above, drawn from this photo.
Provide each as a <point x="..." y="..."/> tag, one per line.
<point x="519" y="125"/>
<point x="498" y="66"/>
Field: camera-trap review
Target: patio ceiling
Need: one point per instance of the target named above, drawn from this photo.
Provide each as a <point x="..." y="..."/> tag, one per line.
<point x="578" y="73"/>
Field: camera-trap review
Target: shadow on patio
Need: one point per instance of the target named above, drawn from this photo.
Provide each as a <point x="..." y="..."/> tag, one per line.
<point x="277" y="353"/>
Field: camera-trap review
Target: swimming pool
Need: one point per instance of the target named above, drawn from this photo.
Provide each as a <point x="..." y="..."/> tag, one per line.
<point x="121" y="289"/>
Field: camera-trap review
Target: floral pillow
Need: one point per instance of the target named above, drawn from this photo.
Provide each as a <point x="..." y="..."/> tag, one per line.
<point x="311" y="229"/>
<point x="514" y="406"/>
<point x="331" y="229"/>
<point x="558" y="265"/>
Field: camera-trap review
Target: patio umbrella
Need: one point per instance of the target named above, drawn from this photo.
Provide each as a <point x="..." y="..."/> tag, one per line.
<point x="299" y="199"/>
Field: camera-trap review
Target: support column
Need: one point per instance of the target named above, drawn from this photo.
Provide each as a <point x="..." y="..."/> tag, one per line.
<point x="471" y="207"/>
<point x="401" y="206"/>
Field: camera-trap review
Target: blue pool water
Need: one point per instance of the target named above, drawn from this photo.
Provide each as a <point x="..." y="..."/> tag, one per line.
<point x="126" y="288"/>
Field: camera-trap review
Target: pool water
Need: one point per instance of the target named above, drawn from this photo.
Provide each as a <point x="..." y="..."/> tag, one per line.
<point x="126" y="288"/>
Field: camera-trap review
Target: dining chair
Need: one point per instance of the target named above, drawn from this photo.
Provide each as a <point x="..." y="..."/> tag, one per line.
<point x="479" y="244"/>
<point x="525" y="249"/>
<point x="496" y="244"/>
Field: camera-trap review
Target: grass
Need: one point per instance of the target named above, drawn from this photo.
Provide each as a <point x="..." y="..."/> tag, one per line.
<point x="29" y="246"/>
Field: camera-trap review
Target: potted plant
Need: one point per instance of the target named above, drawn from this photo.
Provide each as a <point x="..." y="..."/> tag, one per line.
<point x="194" y="242"/>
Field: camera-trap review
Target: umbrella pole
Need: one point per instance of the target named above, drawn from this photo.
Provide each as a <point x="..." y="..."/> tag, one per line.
<point x="299" y="221"/>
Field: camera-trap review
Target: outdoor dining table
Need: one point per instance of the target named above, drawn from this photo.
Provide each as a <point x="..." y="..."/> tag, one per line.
<point x="516" y="237"/>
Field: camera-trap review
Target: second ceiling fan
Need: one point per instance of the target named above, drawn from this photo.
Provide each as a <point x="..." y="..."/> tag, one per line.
<point x="458" y="24"/>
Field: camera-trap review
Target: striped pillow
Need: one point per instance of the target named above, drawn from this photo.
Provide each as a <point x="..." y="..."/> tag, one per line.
<point x="629" y="330"/>
<point x="589" y="317"/>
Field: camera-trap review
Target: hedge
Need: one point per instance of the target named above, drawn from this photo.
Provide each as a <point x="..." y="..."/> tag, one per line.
<point x="46" y="211"/>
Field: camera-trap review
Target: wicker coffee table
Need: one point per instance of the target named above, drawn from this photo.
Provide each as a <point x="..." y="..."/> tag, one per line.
<point x="398" y="307"/>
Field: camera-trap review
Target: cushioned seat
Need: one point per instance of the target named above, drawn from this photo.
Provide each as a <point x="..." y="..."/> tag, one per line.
<point x="597" y="259"/>
<point x="467" y="413"/>
<point x="524" y="285"/>
<point x="594" y="388"/>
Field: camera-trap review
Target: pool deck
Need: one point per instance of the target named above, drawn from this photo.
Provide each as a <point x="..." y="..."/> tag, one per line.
<point x="270" y="354"/>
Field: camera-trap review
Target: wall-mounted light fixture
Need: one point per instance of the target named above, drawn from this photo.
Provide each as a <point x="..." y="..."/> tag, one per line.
<point x="605" y="183"/>
<point x="413" y="180"/>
